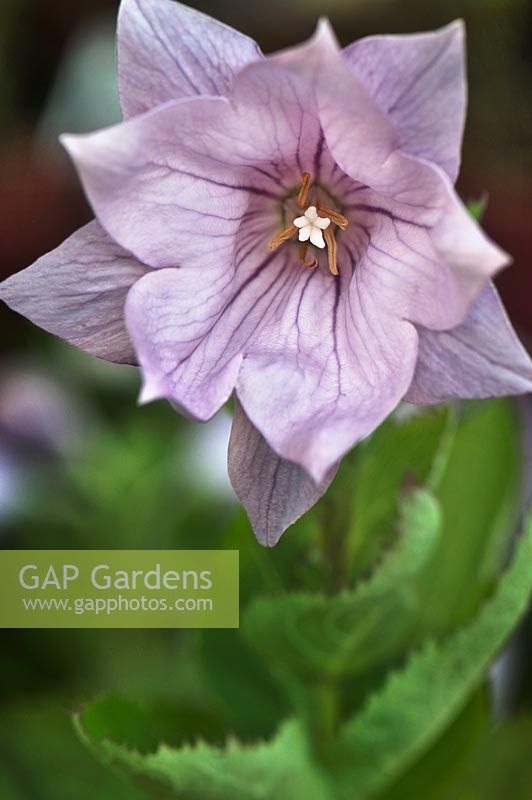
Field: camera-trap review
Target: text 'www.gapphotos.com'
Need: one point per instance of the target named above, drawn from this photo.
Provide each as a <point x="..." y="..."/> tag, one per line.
<point x="113" y="605"/>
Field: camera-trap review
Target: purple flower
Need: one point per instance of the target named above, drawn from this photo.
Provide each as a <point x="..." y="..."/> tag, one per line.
<point x="285" y="229"/>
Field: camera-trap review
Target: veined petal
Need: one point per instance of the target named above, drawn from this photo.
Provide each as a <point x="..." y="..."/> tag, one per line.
<point x="480" y="358"/>
<point x="420" y="272"/>
<point x="157" y="187"/>
<point x="325" y="369"/>
<point x="167" y="51"/>
<point x="363" y="142"/>
<point x="398" y="263"/>
<point x="190" y="328"/>
<point x="173" y="185"/>
<point x="316" y="364"/>
<point x="168" y="315"/>
<point x="78" y="292"/>
<point x="274" y="492"/>
<point x="420" y="82"/>
<point x="360" y="136"/>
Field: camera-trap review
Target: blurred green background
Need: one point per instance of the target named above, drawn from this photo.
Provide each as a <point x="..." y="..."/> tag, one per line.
<point x="80" y="465"/>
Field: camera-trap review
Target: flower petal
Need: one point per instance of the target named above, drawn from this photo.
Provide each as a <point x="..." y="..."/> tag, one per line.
<point x="420" y="82"/>
<point x="359" y="135"/>
<point x="480" y="358"/>
<point x="325" y="370"/>
<point x="422" y="273"/>
<point x="167" y="51"/>
<point x="316" y="361"/>
<point x="173" y="185"/>
<point x="274" y="492"/>
<point x="168" y="315"/>
<point x="190" y="327"/>
<point x="157" y="187"/>
<point x="305" y="233"/>
<point x="78" y="292"/>
<point x="461" y="242"/>
<point x="363" y="142"/>
<point x="301" y="222"/>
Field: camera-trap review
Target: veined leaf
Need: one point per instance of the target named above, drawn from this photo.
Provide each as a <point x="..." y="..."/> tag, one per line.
<point x="316" y="638"/>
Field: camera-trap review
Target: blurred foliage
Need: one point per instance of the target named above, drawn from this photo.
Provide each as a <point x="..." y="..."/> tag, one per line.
<point x="360" y="668"/>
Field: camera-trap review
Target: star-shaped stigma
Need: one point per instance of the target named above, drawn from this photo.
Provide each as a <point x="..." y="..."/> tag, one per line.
<point x="311" y="226"/>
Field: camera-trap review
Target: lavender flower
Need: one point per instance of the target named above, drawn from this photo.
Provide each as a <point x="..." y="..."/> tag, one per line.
<point x="285" y="229"/>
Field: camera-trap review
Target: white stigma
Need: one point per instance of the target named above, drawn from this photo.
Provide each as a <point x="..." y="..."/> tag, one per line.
<point x="311" y="226"/>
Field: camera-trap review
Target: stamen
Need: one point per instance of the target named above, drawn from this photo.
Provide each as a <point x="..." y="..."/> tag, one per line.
<point x="283" y="236"/>
<point x="334" y="216"/>
<point x="314" y="227"/>
<point x="330" y="241"/>
<point x="303" y="248"/>
<point x="302" y="197"/>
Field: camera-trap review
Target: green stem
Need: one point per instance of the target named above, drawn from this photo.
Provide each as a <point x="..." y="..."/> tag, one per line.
<point x="324" y="716"/>
<point x="334" y="543"/>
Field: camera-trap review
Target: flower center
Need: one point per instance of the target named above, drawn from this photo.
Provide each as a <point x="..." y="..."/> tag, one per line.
<point x="314" y="227"/>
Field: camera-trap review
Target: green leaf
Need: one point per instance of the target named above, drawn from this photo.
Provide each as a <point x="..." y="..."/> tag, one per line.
<point x="141" y="726"/>
<point x="251" y="708"/>
<point x="476" y="759"/>
<point x="410" y="446"/>
<point x="487" y="764"/>
<point x="419" y="533"/>
<point x="477" y="208"/>
<point x="416" y="704"/>
<point x="275" y="770"/>
<point x="478" y="493"/>
<point x="446" y="764"/>
<point x="316" y="638"/>
<point x="502" y="765"/>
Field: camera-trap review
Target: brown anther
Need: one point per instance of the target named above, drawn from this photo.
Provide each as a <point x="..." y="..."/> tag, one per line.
<point x="302" y="198"/>
<point x="334" y="216"/>
<point x="303" y="248"/>
<point x="283" y="236"/>
<point x="330" y="241"/>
